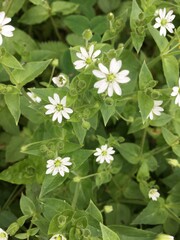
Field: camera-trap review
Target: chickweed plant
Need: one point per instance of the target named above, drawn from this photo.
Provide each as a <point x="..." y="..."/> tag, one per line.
<point x="89" y="119"/>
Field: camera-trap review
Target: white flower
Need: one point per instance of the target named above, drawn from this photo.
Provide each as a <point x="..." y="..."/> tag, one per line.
<point x="5" y="30"/>
<point x="164" y="21"/>
<point x="34" y="97"/>
<point x="87" y="57"/>
<point x="162" y="236"/>
<point x="60" y="80"/>
<point x="3" y="235"/>
<point x="111" y="78"/>
<point x="58" y="108"/>
<point x="58" y="165"/>
<point x="104" y="154"/>
<point x="58" y="237"/>
<point x="176" y="92"/>
<point x="156" y="110"/>
<point x="154" y="194"/>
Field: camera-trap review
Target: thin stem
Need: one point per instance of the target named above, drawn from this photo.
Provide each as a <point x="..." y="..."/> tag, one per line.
<point x="55" y="29"/>
<point x="76" y="194"/>
<point x="89" y="176"/>
<point x="143" y="141"/>
<point x="154" y="61"/>
<point x="8" y="6"/>
<point x="52" y="73"/>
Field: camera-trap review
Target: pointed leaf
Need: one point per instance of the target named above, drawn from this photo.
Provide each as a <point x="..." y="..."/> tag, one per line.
<point x="108" y="234"/>
<point x="145" y="105"/>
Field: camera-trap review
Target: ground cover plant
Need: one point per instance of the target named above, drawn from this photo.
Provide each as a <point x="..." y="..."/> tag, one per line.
<point x="89" y="119"/>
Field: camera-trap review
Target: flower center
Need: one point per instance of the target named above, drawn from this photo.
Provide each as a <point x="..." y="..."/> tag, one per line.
<point x="104" y="153"/>
<point x="61" y="80"/>
<point x="88" y="61"/>
<point x="163" y="22"/>
<point x="110" y="77"/>
<point x="57" y="163"/>
<point x="2" y="235"/>
<point x="59" y="107"/>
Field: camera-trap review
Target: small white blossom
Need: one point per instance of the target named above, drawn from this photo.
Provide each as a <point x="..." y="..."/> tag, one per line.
<point x="154" y="194"/>
<point x="58" y="165"/>
<point x="111" y="78"/>
<point x="6" y="30"/>
<point x="58" y="108"/>
<point x="58" y="237"/>
<point x="176" y="93"/>
<point x="34" y="97"/>
<point x="164" y="21"/>
<point x="162" y="236"/>
<point x="3" y="234"/>
<point x="86" y="57"/>
<point x="60" y="80"/>
<point x="156" y="110"/>
<point x="104" y="153"/>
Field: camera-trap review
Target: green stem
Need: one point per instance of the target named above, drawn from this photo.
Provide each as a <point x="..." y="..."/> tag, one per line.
<point x="89" y="176"/>
<point x="52" y="73"/>
<point x="143" y="141"/>
<point x="55" y="29"/>
<point x="154" y="61"/>
<point x="76" y="194"/>
<point x="8" y="6"/>
<point x="12" y="196"/>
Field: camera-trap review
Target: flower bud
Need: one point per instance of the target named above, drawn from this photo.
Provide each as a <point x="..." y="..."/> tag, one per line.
<point x="87" y="34"/>
<point x="164" y="237"/>
<point x="108" y="208"/>
<point x="110" y="16"/>
<point x="55" y="62"/>
<point x="77" y="179"/>
<point x="86" y="125"/>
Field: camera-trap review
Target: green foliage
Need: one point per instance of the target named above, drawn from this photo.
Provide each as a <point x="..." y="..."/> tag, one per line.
<point x="101" y="161"/>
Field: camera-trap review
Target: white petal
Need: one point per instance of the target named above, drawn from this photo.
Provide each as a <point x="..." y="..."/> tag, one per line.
<point x="79" y="55"/>
<point x="117" y="88"/>
<point x="84" y="52"/>
<point x="96" y="53"/>
<point x="2" y="16"/>
<point x="100" y="83"/>
<point x="157" y="25"/>
<point x="50" y="111"/>
<point x="63" y="101"/>
<point x="163" y="31"/>
<point x="6" y="20"/>
<point x="158" y="20"/>
<point x="170" y="27"/>
<point x="60" y="118"/>
<point x="99" y="74"/>
<point x="91" y="50"/>
<point x="7" y="31"/>
<point x="103" y="68"/>
<point x="55" y="116"/>
<point x="110" y="90"/>
<point x="68" y="110"/>
<point x="57" y="98"/>
<point x="65" y="114"/>
<point x="115" y="66"/>
<point x="79" y="64"/>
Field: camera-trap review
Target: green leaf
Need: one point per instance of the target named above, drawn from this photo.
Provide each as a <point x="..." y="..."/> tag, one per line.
<point x="50" y="183"/>
<point x="107" y="6"/>
<point x="99" y="24"/>
<point x="94" y="212"/>
<point x="13" y="103"/>
<point x="161" y="41"/>
<point x="131" y="233"/>
<point x="80" y="156"/>
<point x="137" y="40"/>
<point x="171" y="70"/>
<point x="35" y="15"/>
<point x="14" y="7"/>
<point x="130" y="152"/>
<point x="145" y="105"/>
<point x="80" y="132"/>
<point x="27" y="206"/>
<point x="161" y="120"/>
<point x="30" y="72"/>
<point x="108" y="234"/>
<point x="9" y="60"/>
<point x="154" y="213"/>
<point x="23" y="172"/>
<point x="107" y="112"/>
<point x="53" y="205"/>
<point x="64" y="7"/>
<point x="136" y="10"/>
<point x="145" y="77"/>
<point x="77" y="23"/>
<point x="169" y="137"/>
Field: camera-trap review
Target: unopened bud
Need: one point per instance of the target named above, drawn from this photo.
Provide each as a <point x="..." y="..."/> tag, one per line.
<point x="164" y="237"/>
<point x="108" y="208"/>
<point x="110" y="16"/>
<point x="77" y="179"/>
<point x="87" y="34"/>
<point x="55" y="62"/>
